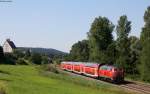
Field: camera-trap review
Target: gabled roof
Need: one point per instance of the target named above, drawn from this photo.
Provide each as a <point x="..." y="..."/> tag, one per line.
<point x="11" y="43"/>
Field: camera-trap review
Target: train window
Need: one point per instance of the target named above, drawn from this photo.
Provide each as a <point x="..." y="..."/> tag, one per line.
<point x="109" y="68"/>
<point x="104" y="68"/>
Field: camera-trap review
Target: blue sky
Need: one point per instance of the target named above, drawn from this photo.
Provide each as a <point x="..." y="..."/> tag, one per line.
<point x="60" y="23"/>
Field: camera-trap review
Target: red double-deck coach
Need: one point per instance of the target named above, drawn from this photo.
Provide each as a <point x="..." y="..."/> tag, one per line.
<point x="91" y="69"/>
<point x="78" y="67"/>
<point x="67" y="66"/>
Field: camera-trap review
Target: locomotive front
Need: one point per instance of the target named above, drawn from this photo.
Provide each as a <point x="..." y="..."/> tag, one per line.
<point x="118" y="74"/>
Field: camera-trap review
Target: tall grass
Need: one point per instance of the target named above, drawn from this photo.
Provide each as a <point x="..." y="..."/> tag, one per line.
<point x="2" y="88"/>
<point x="49" y="67"/>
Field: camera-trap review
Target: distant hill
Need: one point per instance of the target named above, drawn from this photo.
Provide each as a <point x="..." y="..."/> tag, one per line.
<point x="47" y="51"/>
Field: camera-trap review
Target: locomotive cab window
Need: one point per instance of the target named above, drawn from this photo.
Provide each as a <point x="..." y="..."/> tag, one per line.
<point x="109" y="68"/>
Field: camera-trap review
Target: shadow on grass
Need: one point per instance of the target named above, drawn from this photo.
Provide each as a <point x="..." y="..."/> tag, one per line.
<point x="3" y="79"/>
<point x="4" y="72"/>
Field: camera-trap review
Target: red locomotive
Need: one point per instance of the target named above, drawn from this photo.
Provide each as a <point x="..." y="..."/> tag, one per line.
<point x="95" y="70"/>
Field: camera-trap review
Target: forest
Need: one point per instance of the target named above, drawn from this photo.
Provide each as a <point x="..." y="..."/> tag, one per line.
<point x="129" y="52"/>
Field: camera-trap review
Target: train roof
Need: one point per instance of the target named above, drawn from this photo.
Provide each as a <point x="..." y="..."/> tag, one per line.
<point x="88" y="64"/>
<point x="111" y="66"/>
<point x="67" y="62"/>
<point x="71" y="62"/>
<point x="91" y="64"/>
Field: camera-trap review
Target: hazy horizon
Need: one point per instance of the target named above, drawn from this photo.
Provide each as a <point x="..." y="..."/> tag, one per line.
<point x="59" y="24"/>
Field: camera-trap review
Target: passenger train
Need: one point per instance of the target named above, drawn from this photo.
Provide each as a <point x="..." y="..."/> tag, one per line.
<point x="95" y="70"/>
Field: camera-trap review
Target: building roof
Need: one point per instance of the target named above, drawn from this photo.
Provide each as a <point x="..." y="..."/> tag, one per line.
<point x="11" y="43"/>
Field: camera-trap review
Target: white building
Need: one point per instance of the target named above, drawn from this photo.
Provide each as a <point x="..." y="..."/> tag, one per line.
<point x="8" y="46"/>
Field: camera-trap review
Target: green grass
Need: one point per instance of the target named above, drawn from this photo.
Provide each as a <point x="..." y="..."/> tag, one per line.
<point x="3" y="88"/>
<point x="28" y="80"/>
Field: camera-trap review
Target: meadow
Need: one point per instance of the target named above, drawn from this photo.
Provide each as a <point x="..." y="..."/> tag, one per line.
<point x="16" y="79"/>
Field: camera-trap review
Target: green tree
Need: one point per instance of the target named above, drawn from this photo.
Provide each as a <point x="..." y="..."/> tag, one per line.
<point x="67" y="57"/>
<point x="111" y="53"/>
<point x="45" y="59"/>
<point x="80" y="51"/>
<point x="100" y="37"/>
<point x="18" y="53"/>
<point x="145" y="41"/>
<point x="36" y="58"/>
<point x="135" y="49"/>
<point x="27" y="54"/>
<point x="1" y="55"/>
<point x="10" y="59"/>
<point x="122" y="44"/>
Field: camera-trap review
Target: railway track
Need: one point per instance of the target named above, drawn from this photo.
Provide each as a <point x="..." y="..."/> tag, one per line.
<point x="139" y="88"/>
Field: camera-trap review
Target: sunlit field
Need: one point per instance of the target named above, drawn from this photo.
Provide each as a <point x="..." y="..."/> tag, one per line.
<point x="28" y="80"/>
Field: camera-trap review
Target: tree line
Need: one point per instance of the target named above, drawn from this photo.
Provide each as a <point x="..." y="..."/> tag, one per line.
<point x="129" y="52"/>
<point x="19" y="57"/>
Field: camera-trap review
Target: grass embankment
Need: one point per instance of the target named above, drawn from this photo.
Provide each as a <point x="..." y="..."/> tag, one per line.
<point x="28" y="80"/>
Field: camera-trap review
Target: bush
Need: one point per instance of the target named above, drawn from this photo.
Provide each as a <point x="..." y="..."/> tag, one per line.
<point x="36" y="58"/>
<point x="57" y="61"/>
<point x="45" y="60"/>
<point x="21" y="61"/>
<point x="10" y="59"/>
<point x="50" y="67"/>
